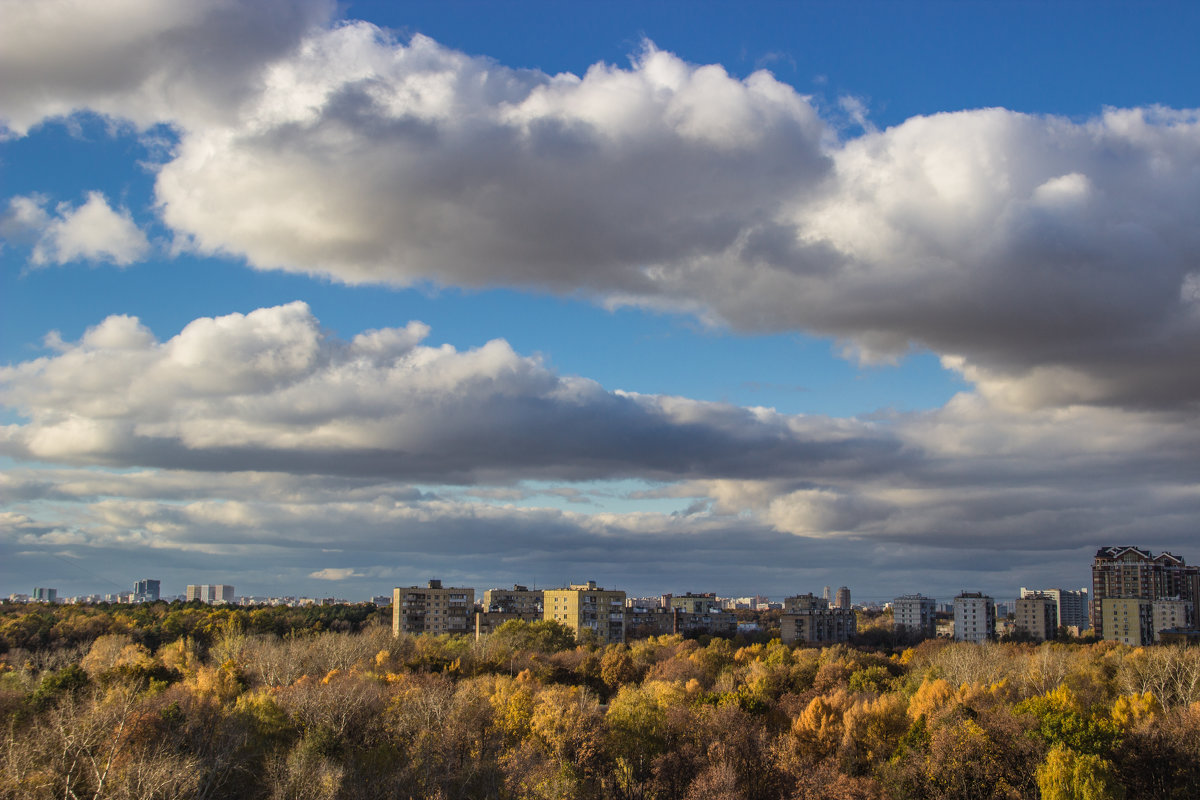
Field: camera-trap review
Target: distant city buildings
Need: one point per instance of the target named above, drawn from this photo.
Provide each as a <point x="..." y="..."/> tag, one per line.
<point x="974" y="618"/>
<point x="842" y="600"/>
<point x="146" y="591"/>
<point x="41" y="594"/>
<point x="211" y="593"/>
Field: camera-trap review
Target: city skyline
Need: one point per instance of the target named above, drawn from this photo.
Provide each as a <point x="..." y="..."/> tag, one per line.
<point x="328" y="299"/>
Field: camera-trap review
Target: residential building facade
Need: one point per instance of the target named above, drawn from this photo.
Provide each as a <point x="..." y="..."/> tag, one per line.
<point x="1072" y="607"/>
<point x="974" y="617"/>
<point x="432" y="609"/>
<point x="808" y="619"/>
<point x="586" y="606"/>
<point x="1037" y="617"/>
<point x="914" y="615"/>
<point x="211" y="593"/>
<point x="1133" y="573"/>
<point x="1171" y="614"/>
<point x="1128" y="620"/>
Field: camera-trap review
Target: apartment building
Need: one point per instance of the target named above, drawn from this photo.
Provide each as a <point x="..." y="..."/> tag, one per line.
<point x="1037" y="617"/>
<point x="914" y="615"/>
<point x="587" y="606"/>
<point x="974" y="617"/>
<point x="1133" y="573"/>
<point x="842" y="598"/>
<point x="810" y="620"/>
<point x="211" y="593"/>
<point x="517" y="600"/>
<point x="1128" y="620"/>
<point x="1072" y="607"/>
<point x="696" y="603"/>
<point x="1171" y="614"/>
<point x="432" y="609"/>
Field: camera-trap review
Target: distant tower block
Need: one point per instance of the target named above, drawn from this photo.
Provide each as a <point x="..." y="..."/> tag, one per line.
<point x="828" y="594"/>
<point x="843" y="598"/>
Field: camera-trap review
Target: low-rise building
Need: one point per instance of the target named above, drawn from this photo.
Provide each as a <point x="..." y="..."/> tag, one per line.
<point x="810" y="620"/>
<point x="974" y="617"/>
<point x="586" y="606"/>
<point x="432" y="609"/>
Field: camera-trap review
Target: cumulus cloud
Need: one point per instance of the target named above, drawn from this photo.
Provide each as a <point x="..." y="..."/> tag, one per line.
<point x="1050" y="258"/>
<point x="1050" y="261"/>
<point x="147" y="61"/>
<point x="270" y="390"/>
<point x="93" y="231"/>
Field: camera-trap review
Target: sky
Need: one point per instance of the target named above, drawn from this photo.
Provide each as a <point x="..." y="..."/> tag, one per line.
<point x="321" y="299"/>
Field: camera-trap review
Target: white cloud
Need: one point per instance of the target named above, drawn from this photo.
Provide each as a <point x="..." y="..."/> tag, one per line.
<point x="271" y="391"/>
<point x="93" y="231"/>
<point x="1049" y="258"/>
<point x="335" y="574"/>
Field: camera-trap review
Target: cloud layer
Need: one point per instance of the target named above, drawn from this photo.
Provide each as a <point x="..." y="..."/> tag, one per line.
<point x="1051" y="261"/>
<point x="270" y="390"/>
<point x="264" y="437"/>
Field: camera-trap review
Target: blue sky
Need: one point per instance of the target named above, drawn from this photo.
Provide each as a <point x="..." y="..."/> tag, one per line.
<point x="891" y="295"/>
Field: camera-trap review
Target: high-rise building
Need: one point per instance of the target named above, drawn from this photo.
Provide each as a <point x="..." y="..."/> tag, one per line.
<point x="810" y="620"/>
<point x="146" y="591"/>
<point x="913" y="615"/>
<point x="432" y="609"/>
<point x="974" y="617"/>
<point x="843" y="598"/>
<point x="42" y="594"/>
<point x="1037" y="617"/>
<point x="1072" y="607"/>
<point x="588" y="606"/>
<point x="827" y="593"/>
<point x="502" y="605"/>
<point x="1133" y="573"/>
<point x="211" y="593"/>
<point x="517" y="600"/>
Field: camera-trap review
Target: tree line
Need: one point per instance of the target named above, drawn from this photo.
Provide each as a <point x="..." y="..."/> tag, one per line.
<point x="239" y="705"/>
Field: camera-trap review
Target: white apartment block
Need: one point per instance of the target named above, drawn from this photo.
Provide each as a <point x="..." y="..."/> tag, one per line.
<point x="913" y="614"/>
<point x="974" y="618"/>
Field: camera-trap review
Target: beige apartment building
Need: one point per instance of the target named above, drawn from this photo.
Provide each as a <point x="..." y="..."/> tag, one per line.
<point x="432" y="609"/>
<point x="1037" y="617"/>
<point x="502" y="605"/>
<point x="1128" y="620"/>
<point x="588" y="606"/>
